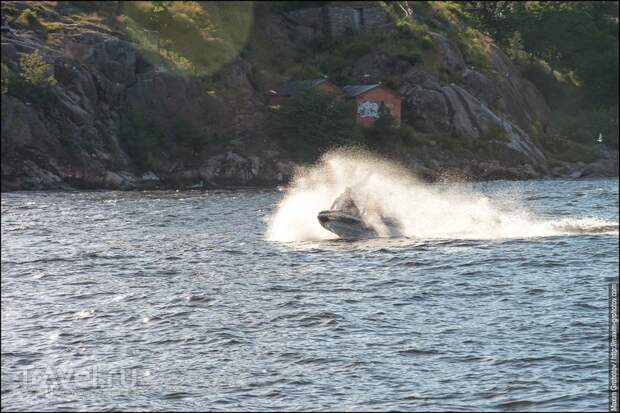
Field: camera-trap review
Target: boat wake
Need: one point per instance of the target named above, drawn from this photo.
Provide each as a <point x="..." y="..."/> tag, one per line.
<point x="424" y="211"/>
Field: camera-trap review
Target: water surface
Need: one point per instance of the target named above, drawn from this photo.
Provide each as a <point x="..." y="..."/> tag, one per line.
<point x="176" y="300"/>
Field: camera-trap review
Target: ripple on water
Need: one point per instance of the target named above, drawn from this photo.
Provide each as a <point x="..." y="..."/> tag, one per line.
<point x="177" y="301"/>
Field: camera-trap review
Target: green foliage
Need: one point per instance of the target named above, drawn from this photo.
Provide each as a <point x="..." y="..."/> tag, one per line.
<point x="26" y="18"/>
<point x="584" y="126"/>
<point x="140" y="139"/>
<point x="197" y="37"/>
<point x="5" y="79"/>
<point x="569" y="51"/>
<point x="495" y="133"/>
<point x="473" y="47"/>
<point x="573" y="117"/>
<point x="105" y="7"/>
<point x="392" y="82"/>
<point x="312" y="122"/>
<point x="387" y="137"/>
<point x="190" y="138"/>
<point x="401" y="14"/>
<point x="410" y="41"/>
<point x="29" y="13"/>
<point x="413" y="58"/>
<point x="34" y="83"/>
<point x="559" y="148"/>
<point x="146" y="143"/>
<point x="336" y="57"/>
<point x="356" y="50"/>
<point x="544" y="80"/>
<point x="34" y="70"/>
<point x="286" y="6"/>
<point x="579" y="37"/>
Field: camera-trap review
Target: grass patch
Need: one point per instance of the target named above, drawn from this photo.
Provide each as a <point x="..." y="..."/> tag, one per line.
<point x="336" y="57"/>
<point x="559" y="148"/>
<point x="473" y="46"/>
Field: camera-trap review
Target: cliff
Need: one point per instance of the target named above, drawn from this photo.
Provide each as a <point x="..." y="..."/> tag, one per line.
<point x="121" y="116"/>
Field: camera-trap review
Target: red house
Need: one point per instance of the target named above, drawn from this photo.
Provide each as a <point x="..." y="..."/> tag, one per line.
<point x="372" y="100"/>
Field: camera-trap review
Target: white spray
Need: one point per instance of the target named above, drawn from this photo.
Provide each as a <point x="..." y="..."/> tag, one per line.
<point x="425" y="211"/>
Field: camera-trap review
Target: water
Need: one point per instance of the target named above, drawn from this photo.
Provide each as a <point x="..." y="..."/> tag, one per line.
<point x="184" y="300"/>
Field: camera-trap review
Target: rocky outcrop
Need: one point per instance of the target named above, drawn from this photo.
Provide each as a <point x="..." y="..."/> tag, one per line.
<point x="491" y="107"/>
<point x="605" y="167"/>
<point x="495" y="107"/>
<point x="119" y="118"/>
<point x="110" y="99"/>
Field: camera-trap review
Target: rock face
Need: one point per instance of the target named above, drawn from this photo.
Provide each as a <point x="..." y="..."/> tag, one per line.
<point x="108" y="99"/>
<point x="495" y="107"/>
<point x="492" y="107"/>
<point x="607" y="166"/>
<point x="117" y="119"/>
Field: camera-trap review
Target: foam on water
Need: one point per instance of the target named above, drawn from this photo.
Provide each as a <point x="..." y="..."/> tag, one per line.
<point x="426" y="211"/>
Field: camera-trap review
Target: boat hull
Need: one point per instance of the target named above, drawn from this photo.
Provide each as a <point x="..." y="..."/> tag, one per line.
<point x="345" y="226"/>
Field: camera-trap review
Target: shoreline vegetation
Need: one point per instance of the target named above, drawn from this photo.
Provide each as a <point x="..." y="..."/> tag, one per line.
<point x="167" y="95"/>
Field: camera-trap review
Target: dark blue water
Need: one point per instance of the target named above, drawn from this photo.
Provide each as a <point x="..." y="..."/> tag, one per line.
<point x="175" y="300"/>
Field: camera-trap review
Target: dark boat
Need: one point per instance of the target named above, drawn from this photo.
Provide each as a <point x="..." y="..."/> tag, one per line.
<point x="345" y="220"/>
<point x="345" y="226"/>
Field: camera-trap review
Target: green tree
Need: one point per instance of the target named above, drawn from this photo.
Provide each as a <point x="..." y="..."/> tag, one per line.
<point x="33" y="83"/>
<point x="570" y="36"/>
<point x="313" y="121"/>
<point x="33" y="70"/>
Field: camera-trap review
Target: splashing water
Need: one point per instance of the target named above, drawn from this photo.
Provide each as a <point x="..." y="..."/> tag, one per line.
<point x="425" y="211"/>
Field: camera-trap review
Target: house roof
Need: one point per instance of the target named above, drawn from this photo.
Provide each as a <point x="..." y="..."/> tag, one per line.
<point x="292" y="87"/>
<point x="356" y="90"/>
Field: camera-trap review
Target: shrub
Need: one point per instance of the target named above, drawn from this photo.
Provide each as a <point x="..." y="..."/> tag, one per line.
<point x="190" y="138"/>
<point x="544" y="81"/>
<point x="29" y="14"/>
<point x="560" y="148"/>
<point x="34" y="70"/>
<point x="383" y="130"/>
<point x="413" y="58"/>
<point x="140" y="139"/>
<point x="392" y="82"/>
<point x="356" y="50"/>
<point x="472" y="45"/>
<point x="33" y="82"/>
<point x="584" y="126"/>
<point x="312" y="122"/>
<point x="384" y="136"/>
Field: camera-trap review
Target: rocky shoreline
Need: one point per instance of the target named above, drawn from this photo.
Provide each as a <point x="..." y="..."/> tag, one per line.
<point x="231" y="170"/>
<point x="116" y="120"/>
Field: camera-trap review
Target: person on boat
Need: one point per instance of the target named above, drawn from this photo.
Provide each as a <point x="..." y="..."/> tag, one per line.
<point x="346" y="204"/>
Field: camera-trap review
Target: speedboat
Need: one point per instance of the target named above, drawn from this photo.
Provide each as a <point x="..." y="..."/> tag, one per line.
<point x="345" y="226"/>
<point x="345" y="220"/>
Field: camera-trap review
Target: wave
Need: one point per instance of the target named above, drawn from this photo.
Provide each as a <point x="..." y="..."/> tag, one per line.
<point x="426" y="211"/>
